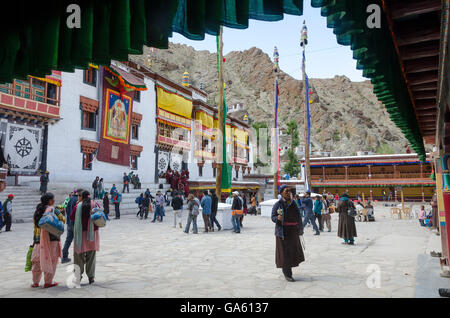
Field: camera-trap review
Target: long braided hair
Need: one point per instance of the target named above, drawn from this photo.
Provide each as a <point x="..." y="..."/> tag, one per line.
<point x="40" y="208"/>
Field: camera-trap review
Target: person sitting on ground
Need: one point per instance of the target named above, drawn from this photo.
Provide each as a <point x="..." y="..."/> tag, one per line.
<point x="370" y="212"/>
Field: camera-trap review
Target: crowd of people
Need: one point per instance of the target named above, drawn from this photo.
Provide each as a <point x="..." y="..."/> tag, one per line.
<point x="291" y="215"/>
<point x="178" y="180"/>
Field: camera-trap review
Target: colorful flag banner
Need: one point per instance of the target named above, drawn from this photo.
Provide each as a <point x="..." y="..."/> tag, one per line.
<point x="276" y="133"/>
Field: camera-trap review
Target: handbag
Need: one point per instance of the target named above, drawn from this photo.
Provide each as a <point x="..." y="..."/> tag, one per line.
<point x="28" y="263"/>
<point x="98" y="217"/>
<point x="50" y="222"/>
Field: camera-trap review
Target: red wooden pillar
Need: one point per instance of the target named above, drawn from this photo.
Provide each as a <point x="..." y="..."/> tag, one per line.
<point x="423" y="193"/>
<point x="421" y="172"/>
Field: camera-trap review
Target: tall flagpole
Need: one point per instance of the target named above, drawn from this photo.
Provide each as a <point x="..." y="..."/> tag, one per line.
<point x="276" y="154"/>
<point x="219" y="141"/>
<point x="303" y="43"/>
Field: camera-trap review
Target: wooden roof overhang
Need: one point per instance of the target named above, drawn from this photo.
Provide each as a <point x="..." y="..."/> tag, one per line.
<point x="416" y="32"/>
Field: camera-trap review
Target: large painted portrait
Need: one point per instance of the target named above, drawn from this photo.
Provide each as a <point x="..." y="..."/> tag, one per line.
<point x="117" y="117"/>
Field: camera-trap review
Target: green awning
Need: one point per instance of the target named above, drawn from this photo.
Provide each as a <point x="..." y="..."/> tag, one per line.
<point x="40" y="40"/>
<point x="376" y="56"/>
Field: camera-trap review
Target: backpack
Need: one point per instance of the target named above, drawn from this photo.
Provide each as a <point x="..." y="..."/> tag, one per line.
<point x="195" y="208"/>
<point x="351" y="211"/>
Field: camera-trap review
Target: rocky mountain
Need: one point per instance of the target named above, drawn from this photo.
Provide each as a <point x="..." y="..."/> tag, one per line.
<point x="346" y="116"/>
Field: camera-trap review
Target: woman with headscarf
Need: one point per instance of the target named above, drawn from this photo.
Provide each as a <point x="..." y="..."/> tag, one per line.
<point x="46" y="247"/>
<point x="346" y="225"/>
<point x="86" y="238"/>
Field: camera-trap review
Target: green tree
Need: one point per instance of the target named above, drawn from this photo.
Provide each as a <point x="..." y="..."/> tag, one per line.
<point x="385" y="149"/>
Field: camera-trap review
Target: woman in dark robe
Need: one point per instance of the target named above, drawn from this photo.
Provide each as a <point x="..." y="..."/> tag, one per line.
<point x="44" y="181"/>
<point x="288" y="228"/>
<point x="346" y="225"/>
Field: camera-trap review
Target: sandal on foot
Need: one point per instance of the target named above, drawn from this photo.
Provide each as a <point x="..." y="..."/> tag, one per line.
<point x="50" y="285"/>
<point x="34" y="285"/>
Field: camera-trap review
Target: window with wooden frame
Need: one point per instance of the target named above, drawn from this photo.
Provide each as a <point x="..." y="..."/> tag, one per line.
<point x="88" y="120"/>
<point x="134" y="162"/>
<point x="135" y="131"/>
<point x="90" y="76"/>
<point x="200" y="170"/>
<point x="137" y="96"/>
<point x="87" y="161"/>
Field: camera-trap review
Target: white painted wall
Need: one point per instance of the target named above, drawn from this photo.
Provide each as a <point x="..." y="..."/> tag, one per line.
<point x="64" y="160"/>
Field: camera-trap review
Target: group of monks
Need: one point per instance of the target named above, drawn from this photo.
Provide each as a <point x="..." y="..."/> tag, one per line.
<point x="178" y="181"/>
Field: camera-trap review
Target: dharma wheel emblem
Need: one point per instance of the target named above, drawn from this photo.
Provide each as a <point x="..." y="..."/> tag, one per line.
<point x="23" y="147"/>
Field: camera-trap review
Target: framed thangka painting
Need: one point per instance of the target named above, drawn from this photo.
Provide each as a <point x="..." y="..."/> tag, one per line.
<point x="117" y="117"/>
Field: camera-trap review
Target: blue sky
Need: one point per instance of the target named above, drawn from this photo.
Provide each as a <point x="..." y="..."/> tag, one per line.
<point x="325" y="58"/>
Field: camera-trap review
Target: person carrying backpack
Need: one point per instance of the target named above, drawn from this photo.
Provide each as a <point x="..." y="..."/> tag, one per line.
<point x="346" y="225"/>
<point x="138" y="201"/>
<point x="116" y="199"/>
<point x="193" y="208"/>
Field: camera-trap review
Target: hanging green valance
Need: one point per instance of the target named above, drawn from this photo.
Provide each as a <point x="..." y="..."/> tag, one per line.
<point x="36" y="39"/>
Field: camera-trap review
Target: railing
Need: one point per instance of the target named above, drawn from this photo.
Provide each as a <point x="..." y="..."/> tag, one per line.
<point x="353" y="177"/>
<point x="32" y="89"/>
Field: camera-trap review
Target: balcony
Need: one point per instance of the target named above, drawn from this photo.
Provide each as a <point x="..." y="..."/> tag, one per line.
<point x="174" y="142"/>
<point x="33" y="97"/>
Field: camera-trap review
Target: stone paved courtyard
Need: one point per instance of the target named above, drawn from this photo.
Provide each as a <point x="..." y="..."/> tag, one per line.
<point x="142" y="259"/>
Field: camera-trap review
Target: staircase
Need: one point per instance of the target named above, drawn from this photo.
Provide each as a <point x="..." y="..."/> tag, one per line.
<point x="27" y="197"/>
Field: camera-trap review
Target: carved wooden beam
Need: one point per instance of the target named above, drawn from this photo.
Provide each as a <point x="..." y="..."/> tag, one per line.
<point x="424" y="87"/>
<point x="415" y="31"/>
<point x="402" y="9"/>
<point x="425" y="95"/>
<point x="415" y="51"/>
<point x="423" y="78"/>
<point x="422" y="65"/>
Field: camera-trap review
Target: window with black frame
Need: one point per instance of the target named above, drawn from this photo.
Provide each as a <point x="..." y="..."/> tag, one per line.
<point x="90" y="76"/>
<point x="87" y="161"/>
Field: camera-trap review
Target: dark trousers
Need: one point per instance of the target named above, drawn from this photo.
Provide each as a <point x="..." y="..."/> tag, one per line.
<point x="212" y="220"/>
<point x="69" y="239"/>
<point x="117" y="209"/>
<point x="310" y="217"/>
<point x="8" y="219"/>
<point x="206" y="221"/>
<point x="96" y="193"/>
<point x="320" y="221"/>
<point x="287" y="271"/>
<point x="127" y="186"/>
<point x="158" y="212"/>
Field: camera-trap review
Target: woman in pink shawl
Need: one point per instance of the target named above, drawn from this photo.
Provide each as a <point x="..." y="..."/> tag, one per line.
<point x="85" y="237"/>
<point x="46" y="247"/>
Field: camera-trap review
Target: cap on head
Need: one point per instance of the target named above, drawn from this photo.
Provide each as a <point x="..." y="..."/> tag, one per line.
<point x="10" y="196"/>
<point x="282" y="188"/>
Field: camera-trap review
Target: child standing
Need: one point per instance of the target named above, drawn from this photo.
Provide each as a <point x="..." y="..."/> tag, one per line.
<point x="422" y="216"/>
